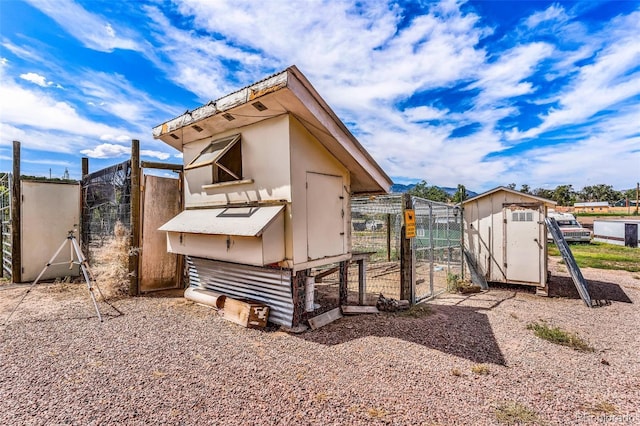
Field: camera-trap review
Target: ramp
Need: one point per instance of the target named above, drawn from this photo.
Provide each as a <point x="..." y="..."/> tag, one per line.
<point x="569" y="260"/>
<point x="476" y="278"/>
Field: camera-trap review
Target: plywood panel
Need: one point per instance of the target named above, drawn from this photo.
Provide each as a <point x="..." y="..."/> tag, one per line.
<point x="49" y="212"/>
<point x="325" y="216"/>
<point x="161" y="202"/>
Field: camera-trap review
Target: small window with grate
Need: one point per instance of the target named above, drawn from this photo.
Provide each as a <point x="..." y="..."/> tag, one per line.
<point x="224" y="156"/>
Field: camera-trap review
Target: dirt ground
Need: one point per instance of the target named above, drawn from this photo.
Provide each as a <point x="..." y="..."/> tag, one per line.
<point x="467" y="359"/>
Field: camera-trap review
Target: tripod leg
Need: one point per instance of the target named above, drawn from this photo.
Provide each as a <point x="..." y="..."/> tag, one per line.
<point x="33" y="284"/>
<point x="85" y="273"/>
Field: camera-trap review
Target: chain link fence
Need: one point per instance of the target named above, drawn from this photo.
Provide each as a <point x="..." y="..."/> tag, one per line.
<point x="437" y="246"/>
<point x="436" y="249"/>
<point x="5" y="224"/>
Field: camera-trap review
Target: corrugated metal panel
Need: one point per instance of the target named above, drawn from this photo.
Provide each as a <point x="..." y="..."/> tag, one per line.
<point x="243" y="221"/>
<point x="267" y="285"/>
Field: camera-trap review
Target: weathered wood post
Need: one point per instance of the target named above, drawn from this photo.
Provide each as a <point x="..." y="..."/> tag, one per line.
<point x="81" y="234"/>
<point x="16" y="203"/>
<point x="406" y="254"/>
<point x="134" y="246"/>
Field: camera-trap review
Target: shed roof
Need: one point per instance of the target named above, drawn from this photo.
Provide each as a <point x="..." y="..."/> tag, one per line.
<point x="290" y="92"/>
<point x="512" y="191"/>
<point x="241" y="221"/>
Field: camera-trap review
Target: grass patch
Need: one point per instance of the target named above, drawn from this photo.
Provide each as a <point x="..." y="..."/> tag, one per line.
<point x="376" y="413"/>
<point x="604" y="407"/>
<point x="480" y="369"/>
<point x="559" y="337"/>
<point x="512" y="413"/>
<point x="416" y="311"/>
<point x="603" y="256"/>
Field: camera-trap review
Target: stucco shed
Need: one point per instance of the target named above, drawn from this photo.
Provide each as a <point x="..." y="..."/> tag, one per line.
<point x="268" y="175"/>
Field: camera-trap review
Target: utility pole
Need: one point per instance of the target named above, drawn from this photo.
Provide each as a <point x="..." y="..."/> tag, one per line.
<point x="637" y="196"/>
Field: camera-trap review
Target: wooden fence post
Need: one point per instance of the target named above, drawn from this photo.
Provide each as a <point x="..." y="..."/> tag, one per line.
<point x="134" y="249"/>
<point x="16" y="203"/>
<point x="81" y="234"/>
<point x="406" y="255"/>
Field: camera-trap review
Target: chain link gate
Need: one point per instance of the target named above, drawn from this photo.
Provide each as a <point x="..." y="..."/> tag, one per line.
<point x="436" y="249"/>
<point x="437" y="246"/>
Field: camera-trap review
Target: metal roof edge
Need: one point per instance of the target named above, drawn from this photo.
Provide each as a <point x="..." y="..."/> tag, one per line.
<point x="512" y="191"/>
<point x="267" y="85"/>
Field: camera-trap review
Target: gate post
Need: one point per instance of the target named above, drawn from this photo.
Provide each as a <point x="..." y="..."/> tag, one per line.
<point x="134" y="250"/>
<point x="82" y="237"/>
<point x="407" y="281"/>
<point x="16" y="202"/>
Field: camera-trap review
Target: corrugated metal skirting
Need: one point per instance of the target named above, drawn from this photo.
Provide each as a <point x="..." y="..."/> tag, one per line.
<point x="267" y="285"/>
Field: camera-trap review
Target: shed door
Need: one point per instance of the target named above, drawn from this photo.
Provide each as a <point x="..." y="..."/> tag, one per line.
<point x="523" y="247"/>
<point x="159" y="269"/>
<point x="49" y="211"/>
<point x="325" y="216"/>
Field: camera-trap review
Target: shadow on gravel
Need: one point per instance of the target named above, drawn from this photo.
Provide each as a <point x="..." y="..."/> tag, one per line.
<point x="457" y="330"/>
<point x="601" y="292"/>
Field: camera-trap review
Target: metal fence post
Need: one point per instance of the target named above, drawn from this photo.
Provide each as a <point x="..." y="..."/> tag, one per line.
<point x="407" y="256"/>
<point x="431" y="249"/>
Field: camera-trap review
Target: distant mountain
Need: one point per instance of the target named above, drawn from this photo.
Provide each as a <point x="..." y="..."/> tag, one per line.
<point x="400" y="188"/>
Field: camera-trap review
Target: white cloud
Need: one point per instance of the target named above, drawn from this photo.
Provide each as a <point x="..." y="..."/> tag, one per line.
<point x="155" y="154"/>
<point x="554" y="13"/>
<point x="34" y="78"/>
<point x="23" y="107"/>
<point x="92" y="30"/>
<point x="119" y="138"/>
<point x="425" y="113"/>
<point x="612" y="78"/>
<point x="106" y="150"/>
<point x="503" y="79"/>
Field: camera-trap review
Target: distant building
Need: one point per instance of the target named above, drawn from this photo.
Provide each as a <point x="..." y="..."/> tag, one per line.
<point x="594" y="206"/>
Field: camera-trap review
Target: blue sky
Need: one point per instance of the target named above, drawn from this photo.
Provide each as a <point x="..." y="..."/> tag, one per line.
<point x="479" y="93"/>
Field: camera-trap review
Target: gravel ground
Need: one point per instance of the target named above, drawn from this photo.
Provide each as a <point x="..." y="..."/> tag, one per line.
<point x="169" y="361"/>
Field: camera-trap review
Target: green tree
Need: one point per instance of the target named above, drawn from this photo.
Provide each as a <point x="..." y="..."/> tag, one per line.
<point x="525" y="189"/>
<point x="460" y="195"/>
<point x="543" y="193"/>
<point x="564" y="195"/>
<point x="430" y="192"/>
<point x="600" y="192"/>
<point x="511" y="186"/>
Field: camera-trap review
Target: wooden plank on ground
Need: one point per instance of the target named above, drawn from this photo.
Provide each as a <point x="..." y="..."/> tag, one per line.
<point x="246" y="313"/>
<point x="324" y="319"/>
<point x="356" y="310"/>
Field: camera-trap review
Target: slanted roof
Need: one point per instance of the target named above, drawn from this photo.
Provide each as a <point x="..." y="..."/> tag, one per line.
<point x="286" y="92"/>
<point x="512" y="191"/>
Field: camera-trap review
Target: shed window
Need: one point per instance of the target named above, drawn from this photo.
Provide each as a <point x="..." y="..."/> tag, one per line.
<point x="224" y="156"/>
<point x="522" y="216"/>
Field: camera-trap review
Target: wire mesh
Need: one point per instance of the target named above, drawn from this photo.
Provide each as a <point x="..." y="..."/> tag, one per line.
<point x="5" y="224"/>
<point x="376" y="223"/>
<point x="437" y="246"/>
<point x="106" y="203"/>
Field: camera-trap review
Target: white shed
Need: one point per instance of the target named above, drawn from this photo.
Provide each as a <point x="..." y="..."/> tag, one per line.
<point x="506" y="237"/>
<point x="268" y="175"/>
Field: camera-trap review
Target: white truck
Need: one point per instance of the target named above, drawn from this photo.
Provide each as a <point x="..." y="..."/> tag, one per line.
<point x="572" y="231"/>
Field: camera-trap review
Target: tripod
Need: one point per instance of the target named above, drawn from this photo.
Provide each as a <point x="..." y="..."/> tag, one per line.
<point x="86" y="273"/>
